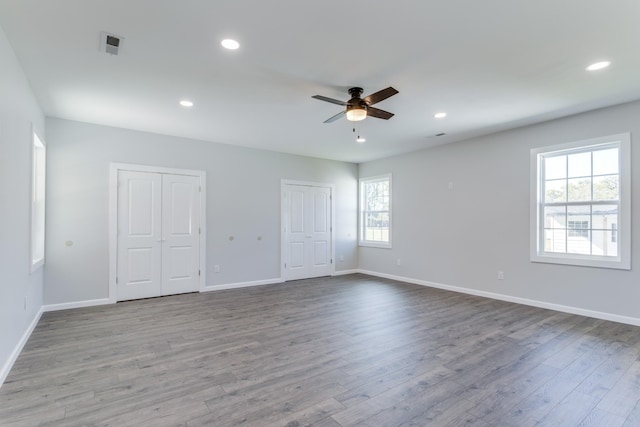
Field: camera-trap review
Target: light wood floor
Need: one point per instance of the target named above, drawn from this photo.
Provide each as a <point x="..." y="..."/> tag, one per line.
<point x="344" y="351"/>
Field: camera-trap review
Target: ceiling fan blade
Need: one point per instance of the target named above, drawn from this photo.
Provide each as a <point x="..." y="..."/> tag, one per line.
<point x="378" y="113"/>
<point x="331" y="100"/>
<point x="336" y="117"/>
<point x="381" y="95"/>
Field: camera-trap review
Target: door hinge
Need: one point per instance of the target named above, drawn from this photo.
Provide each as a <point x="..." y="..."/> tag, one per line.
<point x="198" y="272"/>
<point x="199" y="188"/>
<point x="199" y="230"/>
<point x="116" y="280"/>
<point x="331" y="260"/>
<point x="285" y="265"/>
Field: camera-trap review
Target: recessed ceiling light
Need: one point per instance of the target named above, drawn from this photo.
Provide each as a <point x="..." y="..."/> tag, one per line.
<point x="230" y="44"/>
<point x="186" y="103"/>
<point x="598" y="65"/>
<point x="440" y="115"/>
<point x="361" y="139"/>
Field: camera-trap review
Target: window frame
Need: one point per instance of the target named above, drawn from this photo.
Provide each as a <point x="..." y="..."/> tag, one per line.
<point x="361" y="212"/>
<point x="623" y="231"/>
<point x="38" y="201"/>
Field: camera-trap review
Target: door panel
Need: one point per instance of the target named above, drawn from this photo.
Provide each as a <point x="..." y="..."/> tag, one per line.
<point x="141" y="265"/>
<point x="320" y="214"/>
<point x="181" y="263"/>
<point x="296" y="255"/>
<point x="320" y="254"/>
<point x="180" y="229"/>
<point x="139" y="235"/>
<point x="307" y="232"/>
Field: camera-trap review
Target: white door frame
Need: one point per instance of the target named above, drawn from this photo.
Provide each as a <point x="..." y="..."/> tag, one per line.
<point x="114" y="168"/>
<point x="332" y="187"/>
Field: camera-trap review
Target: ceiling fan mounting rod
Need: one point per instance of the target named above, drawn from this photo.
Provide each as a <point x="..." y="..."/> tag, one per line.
<point x="355" y="92"/>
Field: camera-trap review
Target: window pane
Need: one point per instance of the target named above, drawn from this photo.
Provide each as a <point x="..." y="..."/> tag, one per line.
<point x="606" y="187"/>
<point x="605" y="162"/>
<point x="602" y="243"/>
<point x="604" y="217"/>
<point x="579" y="190"/>
<point x="578" y="233"/>
<point x="579" y="213"/>
<point x="579" y="164"/>
<point x="555" y="240"/>
<point x="555" y="217"/>
<point x="555" y="167"/>
<point x="377" y="226"/>
<point x="555" y="191"/>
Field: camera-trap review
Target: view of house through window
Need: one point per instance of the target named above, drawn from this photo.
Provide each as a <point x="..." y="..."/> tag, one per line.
<point x="375" y="211"/>
<point x="579" y="200"/>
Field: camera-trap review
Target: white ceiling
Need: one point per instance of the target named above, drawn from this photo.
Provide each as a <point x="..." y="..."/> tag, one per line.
<point x="491" y="65"/>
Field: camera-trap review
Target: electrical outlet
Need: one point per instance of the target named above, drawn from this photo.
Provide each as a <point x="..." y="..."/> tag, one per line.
<point x="216" y="269"/>
<point x="500" y="275"/>
<point x="341" y="258"/>
<point x="398" y="261"/>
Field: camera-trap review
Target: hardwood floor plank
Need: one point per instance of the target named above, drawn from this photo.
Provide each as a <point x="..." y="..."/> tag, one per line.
<point x="331" y="352"/>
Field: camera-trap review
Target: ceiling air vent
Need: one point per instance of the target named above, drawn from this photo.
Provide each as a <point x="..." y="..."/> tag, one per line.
<point x="110" y="43"/>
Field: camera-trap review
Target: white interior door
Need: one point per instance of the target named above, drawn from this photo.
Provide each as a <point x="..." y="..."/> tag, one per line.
<point x="180" y="234"/>
<point x="158" y="234"/>
<point x="139" y="235"/>
<point x="307" y="232"/>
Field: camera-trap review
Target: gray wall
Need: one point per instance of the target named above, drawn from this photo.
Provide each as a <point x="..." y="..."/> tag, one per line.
<point x="18" y="111"/>
<point x="243" y="200"/>
<point x="462" y="237"/>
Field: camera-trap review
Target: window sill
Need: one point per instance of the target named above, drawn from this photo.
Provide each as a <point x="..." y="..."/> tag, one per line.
<point x="583" y="261"/>
<point x="375" y="245"/>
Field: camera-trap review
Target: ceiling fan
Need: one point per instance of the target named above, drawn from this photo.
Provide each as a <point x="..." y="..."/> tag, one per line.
<point x="359" y="108"/>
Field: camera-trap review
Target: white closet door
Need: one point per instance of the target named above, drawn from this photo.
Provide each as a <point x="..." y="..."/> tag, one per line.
<point x="307" y="233"/>
<point x="180" y="234"/>
<point x="139" y="235"/>
<point x="158" y="234"/>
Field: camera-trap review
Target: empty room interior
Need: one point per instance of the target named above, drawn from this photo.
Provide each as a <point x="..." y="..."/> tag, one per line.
<point x="329" y="213"/>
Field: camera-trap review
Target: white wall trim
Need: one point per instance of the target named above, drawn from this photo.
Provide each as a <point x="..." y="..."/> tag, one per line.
<point x="345" y="272"/>
<point x="237" y="285"/>
<point x="502" y="297"/>
<point x="76" y="304"/>
<point x="113" y="218"/>
<point x="6" y="368"/>
<point x="332" y="188"/>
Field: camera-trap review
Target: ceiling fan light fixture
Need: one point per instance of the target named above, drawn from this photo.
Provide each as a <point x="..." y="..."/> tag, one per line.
<point x="356" y="114"/>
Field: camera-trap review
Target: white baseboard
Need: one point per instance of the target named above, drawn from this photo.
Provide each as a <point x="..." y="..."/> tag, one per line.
<point x="345" y="272"/>
<point x="237" y="285"/>
<point x="76" y="304"/>
<point x="502" y="297"/>
<point x="6" y="368"/>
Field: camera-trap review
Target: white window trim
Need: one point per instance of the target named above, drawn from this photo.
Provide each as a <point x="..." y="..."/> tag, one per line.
<point x="37" y="260"/>
<point x="369" y="243"/>
<point x="623" y="260"/>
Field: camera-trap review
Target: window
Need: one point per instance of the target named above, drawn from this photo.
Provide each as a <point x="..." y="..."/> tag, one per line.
<point x="37" y="202"/>
<point x="580" y="203"/>
<point x="578" y="229"/>
<point x="375" y="211"/>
